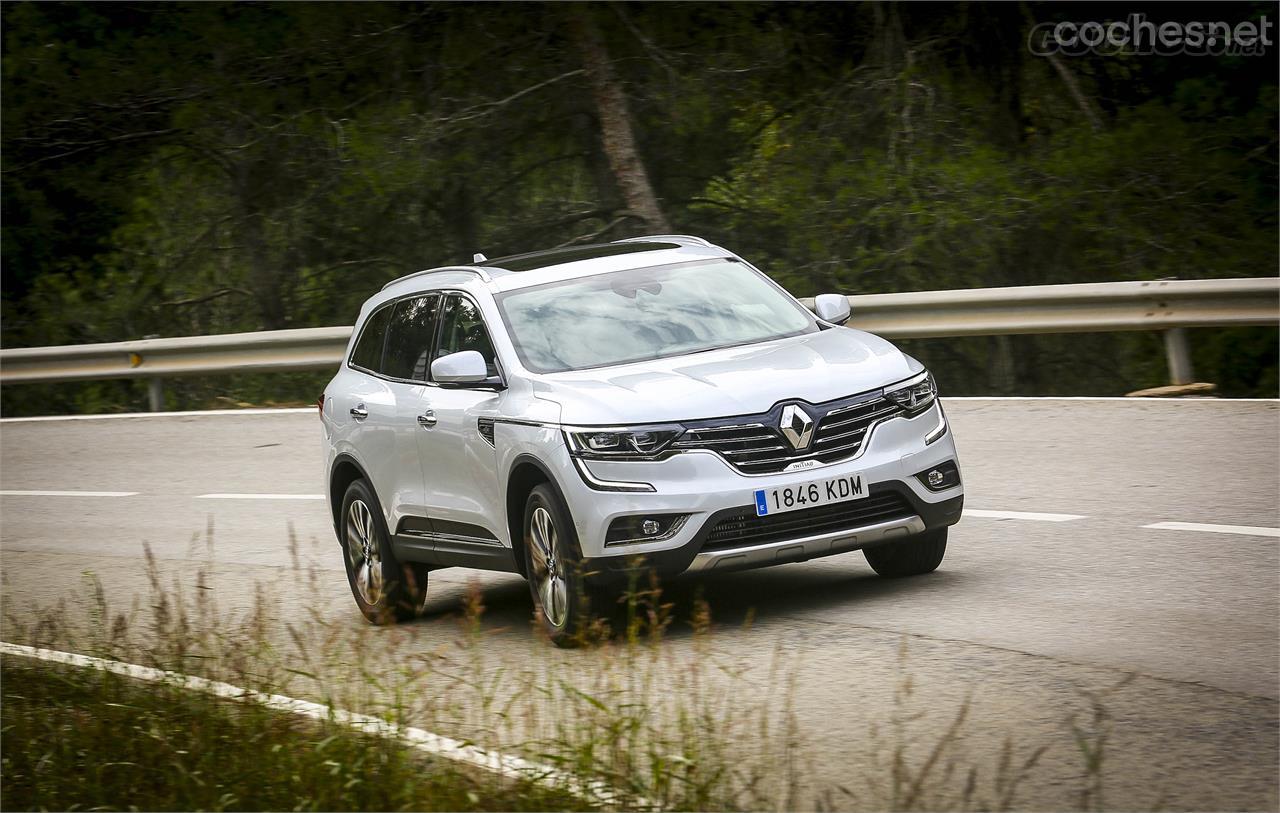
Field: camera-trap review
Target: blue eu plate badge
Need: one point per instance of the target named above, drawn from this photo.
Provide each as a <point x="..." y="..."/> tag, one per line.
<point x="762" y="503"/>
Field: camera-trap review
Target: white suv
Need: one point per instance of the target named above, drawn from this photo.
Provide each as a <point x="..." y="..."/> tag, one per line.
<point x="579" y="414"/>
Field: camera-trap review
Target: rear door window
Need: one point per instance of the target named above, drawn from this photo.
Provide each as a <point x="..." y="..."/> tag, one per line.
<point x="410" y="336"/>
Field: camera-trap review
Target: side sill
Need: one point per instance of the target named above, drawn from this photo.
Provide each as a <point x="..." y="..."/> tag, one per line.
<point x="442" y="552"/>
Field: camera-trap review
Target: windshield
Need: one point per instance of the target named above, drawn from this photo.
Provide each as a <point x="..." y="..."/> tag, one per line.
<point x="647" y="313"/>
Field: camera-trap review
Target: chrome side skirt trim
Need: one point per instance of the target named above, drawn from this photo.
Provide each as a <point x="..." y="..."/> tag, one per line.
<point x="442" y="537"/>
<point x="806" y="547"/>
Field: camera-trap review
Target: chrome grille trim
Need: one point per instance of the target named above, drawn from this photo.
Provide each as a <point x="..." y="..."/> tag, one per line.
<point x="755" y="445"/>
<point x="849" y="434"/>
<point x="733" y="428"/>
<point x="754" y="450"/>
<point x="793" y="458"/>
<point x="701" y="442"/>
<point x="858" y="401"/>
<point x="844" y="421"/>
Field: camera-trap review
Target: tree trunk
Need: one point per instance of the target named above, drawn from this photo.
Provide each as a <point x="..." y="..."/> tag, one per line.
<point x="1068" y="78"/>
<point x="615" y="121"/>
<point x="459" y="215"/>
<point x="264" y="274"/>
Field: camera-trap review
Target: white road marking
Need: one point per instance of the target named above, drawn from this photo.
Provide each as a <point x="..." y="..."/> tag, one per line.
<point x="68" y="493"/>
<point x="1028" y="515"/>
<point x="417" y="738"/>
<point x="1247" y="530"/>
<point x="259" y="496"/>
<point x="975" y="513"/>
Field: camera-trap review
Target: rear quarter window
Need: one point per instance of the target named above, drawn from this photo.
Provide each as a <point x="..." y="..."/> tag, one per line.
<point x="368" y="351"/>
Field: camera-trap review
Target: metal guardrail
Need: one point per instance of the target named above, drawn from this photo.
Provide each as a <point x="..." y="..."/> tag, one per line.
<point x="1166" y="305"/>
<point x="1100" y="307"/>
<point x="269" y="350"/>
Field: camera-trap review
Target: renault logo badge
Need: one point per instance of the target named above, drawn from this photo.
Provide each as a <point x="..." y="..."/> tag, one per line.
<point x="796" y="426"/>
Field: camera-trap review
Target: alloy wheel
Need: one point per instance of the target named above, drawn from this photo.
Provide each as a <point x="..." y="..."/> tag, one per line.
<point x="363" y="552"/>
<point x="548" y="568"/>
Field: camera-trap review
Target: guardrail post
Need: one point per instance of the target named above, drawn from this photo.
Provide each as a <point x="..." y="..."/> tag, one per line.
<point x="1178" y="354"/>
<point x="155" y="394"/>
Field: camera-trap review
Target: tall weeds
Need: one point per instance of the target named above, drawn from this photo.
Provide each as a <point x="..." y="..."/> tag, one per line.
<point x="650" y="705"/>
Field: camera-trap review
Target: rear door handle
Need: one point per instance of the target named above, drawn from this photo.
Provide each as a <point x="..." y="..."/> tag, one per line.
<point x="427" y="419"/>
<point x="359" y="412"/>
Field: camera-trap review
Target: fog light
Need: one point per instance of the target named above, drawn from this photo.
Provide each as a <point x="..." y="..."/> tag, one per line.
<point x="942" y="476"/>
<point x="653" y="528"/>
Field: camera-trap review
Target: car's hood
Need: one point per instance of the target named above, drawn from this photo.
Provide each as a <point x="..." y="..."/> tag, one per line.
<point x="733" y="381"/>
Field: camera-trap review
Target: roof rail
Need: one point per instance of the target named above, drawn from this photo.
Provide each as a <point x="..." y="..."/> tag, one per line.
<point x="683" y="238"/>
<point x="480" y="272"/>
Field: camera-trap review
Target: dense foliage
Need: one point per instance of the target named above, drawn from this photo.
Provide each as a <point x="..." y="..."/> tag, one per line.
<point x="79" y="739"/>
<point x="203" y="168"/>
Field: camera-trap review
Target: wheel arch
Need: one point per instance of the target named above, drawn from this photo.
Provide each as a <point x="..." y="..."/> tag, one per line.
<point x="345" y="471"/>
<point x="527" y="472"/>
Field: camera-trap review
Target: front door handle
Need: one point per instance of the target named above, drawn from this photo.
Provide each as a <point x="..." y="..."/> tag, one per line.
<point x="427" y="419"/>
<point x="359" y="412"/>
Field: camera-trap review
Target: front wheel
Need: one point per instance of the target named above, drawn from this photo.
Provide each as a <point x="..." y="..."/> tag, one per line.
<point x="562" y="595"/>
<point x="911" y="557"/>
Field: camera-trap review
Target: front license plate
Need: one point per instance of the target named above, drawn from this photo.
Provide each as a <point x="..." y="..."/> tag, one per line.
<point x="809" y="495"/>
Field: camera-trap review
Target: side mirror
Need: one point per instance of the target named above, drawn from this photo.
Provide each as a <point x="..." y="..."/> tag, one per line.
<point x="832" y="308"/>
<point x="463" y="367"/>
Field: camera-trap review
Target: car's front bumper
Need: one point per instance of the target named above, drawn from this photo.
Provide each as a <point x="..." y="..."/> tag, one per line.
<point x="708" y="489"/>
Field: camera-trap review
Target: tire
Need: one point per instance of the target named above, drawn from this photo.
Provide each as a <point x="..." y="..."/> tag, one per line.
<point x="562" y="595"/>
<point x="911" y="557"/>
<point x="384" y="590"/>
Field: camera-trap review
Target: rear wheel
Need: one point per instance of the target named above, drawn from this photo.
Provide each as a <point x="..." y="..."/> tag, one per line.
<point x="385" y="590"/>
<point x="911" y="557"/>
<point x="562" y="594"/>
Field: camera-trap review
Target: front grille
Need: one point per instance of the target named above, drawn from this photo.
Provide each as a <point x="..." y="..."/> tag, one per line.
<point x="756" y="446"/>
<point x="841" y="431"/>
<point x="742" y="527"/>
<point x="752" y="447"/>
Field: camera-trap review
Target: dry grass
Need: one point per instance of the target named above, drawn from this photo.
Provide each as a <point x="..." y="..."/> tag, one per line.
<point x="77" y="738"/>
<point x="680" y="727"/>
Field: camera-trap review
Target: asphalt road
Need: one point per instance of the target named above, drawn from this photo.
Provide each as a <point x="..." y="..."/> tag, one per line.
<point x="1054" y="585"/>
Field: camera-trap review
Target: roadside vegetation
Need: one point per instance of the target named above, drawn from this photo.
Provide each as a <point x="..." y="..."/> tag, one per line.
<point x="77" y="739"/>
<point x="648" y="707"/>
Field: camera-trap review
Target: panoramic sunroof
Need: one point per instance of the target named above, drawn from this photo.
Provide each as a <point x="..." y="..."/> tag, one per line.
<point x="556" y="256"/>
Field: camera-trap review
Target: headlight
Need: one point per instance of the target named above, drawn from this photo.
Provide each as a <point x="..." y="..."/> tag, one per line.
<point x="914" y="395"/>
<point x="616" y="442"/>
